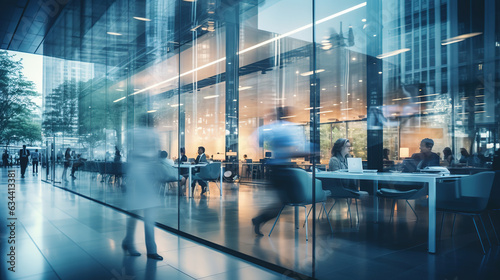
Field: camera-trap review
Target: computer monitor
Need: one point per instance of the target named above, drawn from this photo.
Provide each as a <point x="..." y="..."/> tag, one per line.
<point x="268" y="154"/>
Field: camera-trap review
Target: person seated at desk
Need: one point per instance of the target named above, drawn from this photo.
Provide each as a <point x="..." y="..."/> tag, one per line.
<point x="78" y="162"/>
<point x="340" y="152"/>
<point x="426" y="157"/>
<point x="169" y="164"/>
<point x="448" y="159"/>
<point x="201" y="158"/>
<point x="465" y="158"/>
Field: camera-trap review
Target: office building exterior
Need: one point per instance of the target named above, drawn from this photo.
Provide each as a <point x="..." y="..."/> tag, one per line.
<point x="384" y="74"/>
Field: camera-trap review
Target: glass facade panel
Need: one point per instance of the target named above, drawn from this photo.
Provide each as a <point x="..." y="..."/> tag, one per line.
<point x="383" y="74"/>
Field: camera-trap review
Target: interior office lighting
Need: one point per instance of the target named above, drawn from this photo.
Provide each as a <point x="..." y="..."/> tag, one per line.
<point x="176" y="105"/>
<point x="288" y="117"/>
<point x="196" y="27"/>
<point x="459" y="38"/>
<point x="142" y="19"/>
<point x="345" y="109"/>
<point x="119" y="89"/>
<point x="120" y="99"/>
<point x="428" y="95"/>
<point x="393" y="53"/>
<point x="114" y="33"/>
<point x="310" y="108"/>
<point x="305" y="74"/>
<point x="151" y="111"/>
<point x="243" y="88"/>
<point x="324" y="112"/>
<point x="343" y="12"/>
<point x="422" y="102"/>
<point x="363" y="20"/>
<point x="211" y="96"/>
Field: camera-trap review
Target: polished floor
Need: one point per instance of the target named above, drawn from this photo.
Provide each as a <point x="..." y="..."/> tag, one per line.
<point x="357" y="249"/>
<point x="60" y="235"/>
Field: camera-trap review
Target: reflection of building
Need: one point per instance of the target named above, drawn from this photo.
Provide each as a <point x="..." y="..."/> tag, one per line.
<point x="442" y="50"/>
<point x="209" y="73"/>
<point x="60" y="116"/>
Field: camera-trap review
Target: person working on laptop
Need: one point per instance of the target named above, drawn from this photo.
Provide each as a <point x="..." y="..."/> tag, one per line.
<point x="426" y="157"/>
<point x="340" y="152"/>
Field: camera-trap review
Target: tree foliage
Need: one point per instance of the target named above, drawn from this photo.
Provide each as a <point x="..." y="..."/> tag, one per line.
<point x="62" y="113"/>
<point x="16" y="105"/>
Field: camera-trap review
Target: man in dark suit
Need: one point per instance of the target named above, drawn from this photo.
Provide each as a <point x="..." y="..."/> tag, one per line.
<point x="201" y="158"/>
<point x="24" y="158"/>
<point x="426" y="157"/>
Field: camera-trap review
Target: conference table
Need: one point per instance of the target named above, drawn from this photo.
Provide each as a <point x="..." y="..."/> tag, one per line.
<point x="429" y="179"/>
<point x="191" y="166"/>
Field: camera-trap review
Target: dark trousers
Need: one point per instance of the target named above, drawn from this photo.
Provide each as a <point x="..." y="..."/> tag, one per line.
<point x="24" y="164"/>
<point x="35" y="166"/>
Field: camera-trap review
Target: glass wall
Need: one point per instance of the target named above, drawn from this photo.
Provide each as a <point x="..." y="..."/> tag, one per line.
<point x="383" y="74"/>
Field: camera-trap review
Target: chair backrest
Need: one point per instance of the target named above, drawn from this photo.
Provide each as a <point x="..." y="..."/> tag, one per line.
<point x="210" y="171"/>
<point x="471" y="194"/>
<point x="296" y="183"/>
<point x="494" y="202"/>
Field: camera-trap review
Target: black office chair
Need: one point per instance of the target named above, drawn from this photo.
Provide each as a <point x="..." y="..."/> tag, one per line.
<point x="469" y="196"/>
<point x="337" y="191"/>
<point x="209" y="173"/>
<point x="395" y="194"/>
<point x="494" y="202"/>
<point x="299" y="189"/>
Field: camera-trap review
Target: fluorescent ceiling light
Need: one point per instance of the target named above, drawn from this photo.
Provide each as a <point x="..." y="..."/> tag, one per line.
<point x="211" y="96"/>
<point x="194" y="28"/>
<point x="303" y="27"/>
<point x="346" y="109"/>
<point x="288" y="117"/>
<point x="459" y="38"/>
<point x="114" y="33"/>
<point x="176" y="105"/>
<point x="120" y="99"/>
<point x="324" y="112"/>
<point x="119" y="89"/>
<point x="253" y="47"/>
<point x="310" y="108"/>
<point x="243" y="88"/>
<point x="311" y="72"/>
<point x="393" y="53"/>
<point x="141" y="18"/>
<point x="151" y="111"/>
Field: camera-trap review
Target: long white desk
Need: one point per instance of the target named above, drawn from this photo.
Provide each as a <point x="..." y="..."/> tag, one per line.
<point x="191" y="166"/>
<point x="430" y="179"/>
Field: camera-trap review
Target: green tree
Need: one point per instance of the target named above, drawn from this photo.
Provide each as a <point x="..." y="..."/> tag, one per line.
<point x="63" y="113"/>
<point x="16" y="105"/>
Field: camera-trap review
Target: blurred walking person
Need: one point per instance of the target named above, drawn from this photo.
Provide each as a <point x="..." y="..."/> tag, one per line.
<point x="24" y="158"/>
<point x="286" y="141"/>
<point x="35" y="157"/>
<point x="143" y="176"/>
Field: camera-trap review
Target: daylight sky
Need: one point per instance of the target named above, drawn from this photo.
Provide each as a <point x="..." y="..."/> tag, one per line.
<point x="32" y="70"/>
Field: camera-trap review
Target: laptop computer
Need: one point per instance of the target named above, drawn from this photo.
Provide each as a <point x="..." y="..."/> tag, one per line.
<point x="354" y="165"/>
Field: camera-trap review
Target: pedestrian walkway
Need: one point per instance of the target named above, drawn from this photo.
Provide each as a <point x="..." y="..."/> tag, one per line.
<point x="60" y="235"/>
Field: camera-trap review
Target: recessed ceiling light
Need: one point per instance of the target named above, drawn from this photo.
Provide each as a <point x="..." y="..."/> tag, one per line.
<point x="142" y="19"/>
<point x="114" y="33"/>
<point x="211" y="96"/>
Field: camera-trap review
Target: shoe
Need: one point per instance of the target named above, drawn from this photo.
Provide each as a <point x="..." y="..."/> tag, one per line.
<point x="131" y="250"/>
<point x="155" y="257"/>
<point x="256" y="227"/>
